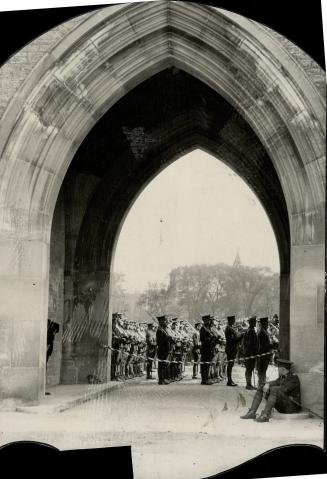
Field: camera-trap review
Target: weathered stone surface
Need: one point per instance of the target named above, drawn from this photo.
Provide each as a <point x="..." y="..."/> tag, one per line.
<point x="19" y="66"/>
<point x="312" y="391"/>
<point x="307" y="275"/>
<point x="21" y="383"/>
<point x="5" y="343"/>
<point x="25" y="344"/>
<point x="56" y="289"/>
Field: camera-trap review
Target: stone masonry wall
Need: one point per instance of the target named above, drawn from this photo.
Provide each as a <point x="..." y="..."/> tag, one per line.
<point x="20" y="65"/>
<point x="56" y="289"/>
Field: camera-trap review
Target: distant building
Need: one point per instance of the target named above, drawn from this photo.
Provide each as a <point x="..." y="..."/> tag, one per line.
<point x="237" y="261"/>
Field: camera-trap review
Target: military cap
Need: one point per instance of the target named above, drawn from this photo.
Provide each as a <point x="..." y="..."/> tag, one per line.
<point x="149" y="324"/>
<point x="197" y="324"/>
<point x="264" y="320"/>
<point x="162" y="318"/>
<point x="230" y="318"/>
<point x="206" y="317"/>
<point x="174" y="320"/>
<point x="285" y="363"/>
<point x="253" y="319"/>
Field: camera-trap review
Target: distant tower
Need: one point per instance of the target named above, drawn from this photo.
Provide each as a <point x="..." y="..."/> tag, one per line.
<point x="237" y="261"/>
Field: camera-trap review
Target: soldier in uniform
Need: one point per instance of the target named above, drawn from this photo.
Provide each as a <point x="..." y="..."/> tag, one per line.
<point x="196" y="344"/>
<point x="250" y="348"/>
<point x="208" y="341"/>
<point x="115" y="345"/>
<point x="275" y="320"/>
<point x="264" y="346"/>
<point x="151" y="344"/>
<point x="284" y="394"/>
<point x="175" y="351"/>
<point x="221" y="350"/>
<point x="214" y="365"/>
<point x="127" y="351"/>
<point x="137" y="361"/>
<point x="273" y="331"/>
<point x="186" y="345"/>
<point x="118" y="342"/>
<point x="163" y="349"/>
<point x="232" y="339"/>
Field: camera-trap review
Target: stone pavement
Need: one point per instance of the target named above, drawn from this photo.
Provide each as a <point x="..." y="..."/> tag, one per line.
<point x="181" y="430"/>
<point x="65" y="397"/>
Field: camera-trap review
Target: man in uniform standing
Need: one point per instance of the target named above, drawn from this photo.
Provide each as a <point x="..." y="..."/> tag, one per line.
<point x="213" y="373"/>
<point x="118" y="342"/>
<point x="264" y="347"/>
<point x="250" y="348"/>
<point x="232" y="339"/>
<point x="151" y="345"/>
<point x="164" y="346"/>
<point x="196" y="349"/>
<point x="175" y="350"/>
<point x="284" y="394"/>
<point x="207" y="348"/>
<point x="221" y="350"/>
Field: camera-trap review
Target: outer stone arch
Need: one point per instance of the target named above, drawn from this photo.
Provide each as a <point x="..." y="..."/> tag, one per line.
<point x="83" y="76"/>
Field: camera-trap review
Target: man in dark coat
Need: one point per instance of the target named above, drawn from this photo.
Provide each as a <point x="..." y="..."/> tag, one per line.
<point x="163" y="349"/>
<point x="232" y="337"/>
<point x="250" y="348"/>
<point x="208" y="342"/>
<point x="53" y="329"/>
<point x="196" y="349"/>
<point x="264" y="347"/>
<point x="151" y="349"/>
<point x="284" y="394"/>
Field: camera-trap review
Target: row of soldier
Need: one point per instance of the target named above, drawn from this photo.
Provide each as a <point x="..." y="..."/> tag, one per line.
<point x="212" y="347"/>
<point x="135" y="344"/>
<point x="128" y="348"/>
<point x="209" y="344"/>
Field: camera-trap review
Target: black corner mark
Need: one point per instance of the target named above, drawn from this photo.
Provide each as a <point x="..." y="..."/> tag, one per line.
<point x="116" y="462"/>
<point x="292" y="460"/>
<point x="30" y="456"/>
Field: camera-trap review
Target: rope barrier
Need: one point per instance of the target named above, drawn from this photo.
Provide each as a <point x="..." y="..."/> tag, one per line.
<point x="146" y="358"/>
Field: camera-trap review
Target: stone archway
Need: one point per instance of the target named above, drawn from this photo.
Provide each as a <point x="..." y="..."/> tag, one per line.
<point x="83" y="76"/>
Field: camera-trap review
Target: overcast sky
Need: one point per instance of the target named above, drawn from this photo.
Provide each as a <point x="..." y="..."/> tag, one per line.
<point x="196" y="211"/>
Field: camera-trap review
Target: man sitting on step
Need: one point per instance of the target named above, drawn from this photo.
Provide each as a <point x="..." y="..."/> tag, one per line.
<point x="283" y="394"/>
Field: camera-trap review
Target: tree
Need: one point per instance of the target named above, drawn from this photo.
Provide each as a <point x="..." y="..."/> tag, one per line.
<point x="155" y="301"/>
<point x="189" y="286"/>
<point x="118" y="293"/>
<point x="218" y="289"/>
<point x="267" y="303"/>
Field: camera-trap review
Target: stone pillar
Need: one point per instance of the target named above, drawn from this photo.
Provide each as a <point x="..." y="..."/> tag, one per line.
<point x="86" y="330"/>
<point x="24" y="283"/>
<point x="307" y="321"/>
<point x="56" y="290"/>
<point x="284" y="315"/>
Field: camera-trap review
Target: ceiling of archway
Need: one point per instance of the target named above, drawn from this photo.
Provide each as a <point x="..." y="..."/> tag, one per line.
<point x="168" y="114"/>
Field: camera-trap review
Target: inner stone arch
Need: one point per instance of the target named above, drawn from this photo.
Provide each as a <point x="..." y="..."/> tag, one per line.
<point x="186" y="116"/>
